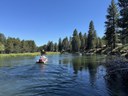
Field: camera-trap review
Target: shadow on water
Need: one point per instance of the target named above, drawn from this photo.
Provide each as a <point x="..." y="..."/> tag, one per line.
<point x="68" y="76"/>
<point x="63" y="75"/>
<point x="88" y="63"/>
<point x="116" y="87"/>
<point x="116" y="77"/>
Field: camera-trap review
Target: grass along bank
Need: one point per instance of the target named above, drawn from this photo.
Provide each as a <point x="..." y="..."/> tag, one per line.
<point x="27" y="54"/>
<point x="52" y="53"/>
<point x="19" y="54"/>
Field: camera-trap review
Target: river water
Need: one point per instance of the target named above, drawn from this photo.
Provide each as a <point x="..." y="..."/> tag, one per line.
<point x="63" y="75"/>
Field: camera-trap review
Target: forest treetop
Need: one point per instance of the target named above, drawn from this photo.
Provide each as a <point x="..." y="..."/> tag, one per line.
<point x="116" y="33"/>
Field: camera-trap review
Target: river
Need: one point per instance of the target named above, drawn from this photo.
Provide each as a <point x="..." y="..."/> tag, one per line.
<point x="63" y="75"/>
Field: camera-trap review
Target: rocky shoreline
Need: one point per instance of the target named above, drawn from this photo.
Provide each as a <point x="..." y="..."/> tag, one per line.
<point x="118" y="51"/>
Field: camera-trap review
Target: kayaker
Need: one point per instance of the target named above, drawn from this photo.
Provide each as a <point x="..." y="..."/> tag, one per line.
<point x="42" y="58"/>
<point x="42" y="52"/>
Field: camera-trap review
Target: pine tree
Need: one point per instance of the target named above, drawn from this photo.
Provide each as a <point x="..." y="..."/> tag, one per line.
<point x="55" y="47"/>
<point x="82" y="43"/>
<point x="111" y="25"/>
<point x="76" y="43"/>
<point x="123" y="21"/>
<point x="60" y="45"/>
<point x="70" y="44"/>
<point x="80" y="35"/>
<point x="82" y="40"/>
<point x="65" y="44"/>
<point x="90" y="38"/>
<point x="75" y="32"/>
<point x="85" y="40"/>
<point x="50" y="46"/>
<point x="95" y="40"/>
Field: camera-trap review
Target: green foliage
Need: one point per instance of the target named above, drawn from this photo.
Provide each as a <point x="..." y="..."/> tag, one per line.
<point x="123" y="20"/>
<point x="19" y="54"/>
<point x="80" y="35"/>
<point x="91" y="36"/>
<point x="82" y="43"/>
<point x="95" y="40"/>
<point x="100" y="43"/>
<point x="111" y="25"/>
<point x="60" y="45"/>
<point x="70" y="44"/>
<point x="55" y="47"/>
<point x="2" y="38"/>
<point x="65" y="44"/>
<point x="23" y="46"/>
<point x="2" y="42"/>
<point x="28" y="46"/>
<point x="15" y="45"/>
<point x="31" y="46"/>
<point x="2" y="47"/>
<point x="50" y="46"/>
<point x="9" y="45"/>
<point x="75" y="33"/>
<point x="76" y="42"/>
<point x="116" y="31"/>
<point x="85" y="40"/>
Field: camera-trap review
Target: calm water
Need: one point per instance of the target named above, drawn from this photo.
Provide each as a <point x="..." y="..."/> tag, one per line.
<point x="63" y="75"/>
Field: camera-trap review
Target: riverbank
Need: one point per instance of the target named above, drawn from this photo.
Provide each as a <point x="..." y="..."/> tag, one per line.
<point x="52" y="53"/>
<point x="118" y="51"/>
<point x="26" y="54"/>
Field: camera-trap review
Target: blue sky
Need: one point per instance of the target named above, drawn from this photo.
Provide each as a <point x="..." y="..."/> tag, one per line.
<point x="48" y="20"/>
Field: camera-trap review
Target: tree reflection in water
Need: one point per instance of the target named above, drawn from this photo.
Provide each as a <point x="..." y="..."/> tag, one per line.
<point x="80" y="63"/>
<point x="117" y="76"/>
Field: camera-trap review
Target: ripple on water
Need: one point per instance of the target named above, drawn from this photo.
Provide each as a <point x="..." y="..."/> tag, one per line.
<point x="61" y="76"/>
<point x="56" y="82"/>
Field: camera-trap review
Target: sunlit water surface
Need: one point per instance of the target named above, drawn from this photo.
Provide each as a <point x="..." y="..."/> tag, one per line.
<point x="63" y="75"/>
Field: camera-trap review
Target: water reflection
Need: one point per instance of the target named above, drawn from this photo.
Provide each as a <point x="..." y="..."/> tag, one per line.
<point x="92" y="71"/>
<point x="117" y="85"/>
<point x="41" y="67"/>
<point x="82" y="63"/>
<point x="63" y="75"/>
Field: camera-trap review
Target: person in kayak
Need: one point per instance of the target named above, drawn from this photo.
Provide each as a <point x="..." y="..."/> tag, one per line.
<point x="42" y="52"/>
<point x="42" y="58"/>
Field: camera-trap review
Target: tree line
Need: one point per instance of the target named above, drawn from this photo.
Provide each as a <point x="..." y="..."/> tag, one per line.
<point x="15" y="45"/>
<point x="116" y="33"/>
<point x="78" y="42"/>
<point x="116" y="24"/>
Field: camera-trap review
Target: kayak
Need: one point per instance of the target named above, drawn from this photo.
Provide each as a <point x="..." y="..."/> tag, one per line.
<point x="44" y="61"/>
<point x="40" y="62"/>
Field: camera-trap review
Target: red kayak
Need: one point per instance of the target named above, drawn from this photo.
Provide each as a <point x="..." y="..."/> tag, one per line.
<point x="42" y="61"/>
